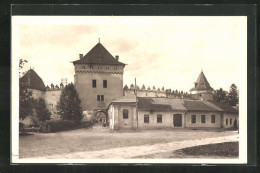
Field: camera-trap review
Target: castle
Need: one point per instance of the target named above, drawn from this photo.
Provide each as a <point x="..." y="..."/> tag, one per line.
<point x="98" y="79"/>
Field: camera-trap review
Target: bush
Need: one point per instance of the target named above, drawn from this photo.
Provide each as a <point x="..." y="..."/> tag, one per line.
<point x="59" y="125"/>
<point x="21" y="127"/>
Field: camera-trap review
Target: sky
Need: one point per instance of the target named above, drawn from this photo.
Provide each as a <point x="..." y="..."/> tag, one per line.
<point x="168" y="51"/>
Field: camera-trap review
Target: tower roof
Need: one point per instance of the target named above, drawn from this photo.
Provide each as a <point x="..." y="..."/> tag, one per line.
<point x="98" y="55"/>
<point x="32" y="80"/>
<point x="202" y="83"/>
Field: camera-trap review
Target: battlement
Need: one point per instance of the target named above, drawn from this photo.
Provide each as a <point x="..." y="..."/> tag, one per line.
<point x="53" y="87"/>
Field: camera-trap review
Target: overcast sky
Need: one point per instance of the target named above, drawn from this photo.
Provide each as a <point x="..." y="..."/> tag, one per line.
<point x="160" y="51"/>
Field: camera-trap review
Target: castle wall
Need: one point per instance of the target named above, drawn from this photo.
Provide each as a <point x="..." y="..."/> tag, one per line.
<point x="52" y="97"/>
<point x="88" y="95"/>
<point x="37" y="94"/>
<point x="145" y="93"/>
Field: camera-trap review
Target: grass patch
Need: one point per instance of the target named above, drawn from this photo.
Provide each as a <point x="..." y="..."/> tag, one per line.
<point x="227" y="149"/>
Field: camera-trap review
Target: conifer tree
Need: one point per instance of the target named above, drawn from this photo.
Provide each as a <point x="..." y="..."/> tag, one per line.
<point x="41" y="110"/>
<point x="232" y="97"/>
<point x="69" y="104"/>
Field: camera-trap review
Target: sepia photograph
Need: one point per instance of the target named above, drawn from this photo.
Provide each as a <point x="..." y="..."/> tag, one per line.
<point x="129" y="89"/>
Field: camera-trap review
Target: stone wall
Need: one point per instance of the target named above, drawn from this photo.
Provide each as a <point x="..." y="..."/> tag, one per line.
<point x="145" y="93"/>
<point x="52" y="97"/>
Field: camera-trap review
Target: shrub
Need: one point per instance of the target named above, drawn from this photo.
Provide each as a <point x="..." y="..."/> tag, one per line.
<point x="59" y="125"/>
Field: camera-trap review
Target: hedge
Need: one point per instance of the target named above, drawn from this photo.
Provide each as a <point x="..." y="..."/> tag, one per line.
<point x="62" y="125"/>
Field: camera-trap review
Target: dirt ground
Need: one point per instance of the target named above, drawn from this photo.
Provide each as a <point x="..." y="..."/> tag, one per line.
<point x="99" y="139"/>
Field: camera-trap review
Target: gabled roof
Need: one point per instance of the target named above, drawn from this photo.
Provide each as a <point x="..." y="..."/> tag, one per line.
<point x="202" y="83"/>
<point x="197" y="105"/>
<point x="98" y="55"/>
<point x="32" y="80"/>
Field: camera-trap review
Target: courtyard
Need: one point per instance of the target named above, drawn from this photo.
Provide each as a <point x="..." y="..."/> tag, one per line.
<point x="100" y="142"/>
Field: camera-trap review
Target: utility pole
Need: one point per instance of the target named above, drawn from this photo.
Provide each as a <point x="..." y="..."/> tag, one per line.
<point x="136" y="106"/>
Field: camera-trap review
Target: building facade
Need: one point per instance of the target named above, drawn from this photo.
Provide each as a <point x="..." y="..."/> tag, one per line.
<point x="98" y="78"/>
<point x="157" y="113"/>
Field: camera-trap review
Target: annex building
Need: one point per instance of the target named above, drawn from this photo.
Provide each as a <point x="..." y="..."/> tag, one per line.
<point x="159" y="112"/>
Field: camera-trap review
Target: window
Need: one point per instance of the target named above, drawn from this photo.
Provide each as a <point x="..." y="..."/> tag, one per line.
<point x="146" y="118"/>
<point x="107" y="68"/>
<point x="104" y="83"/>
<point x="226" y="121"/>
<point x="159" y="118"/>
<point x="83" y="67"/>
<point x="125" y="114"/>
<point x="98" y="98"/>
<point x="203" y="119"/>
<point x="102" y="97"/>
<point x="115" y="68"/>
<point x="193" y="119"/>
<point x="212" y="118"/>
<point x="230" y="121"/>
<point x="94" y="83"/>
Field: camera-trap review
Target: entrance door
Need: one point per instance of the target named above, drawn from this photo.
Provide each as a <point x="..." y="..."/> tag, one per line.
<point x="177" y="120"/>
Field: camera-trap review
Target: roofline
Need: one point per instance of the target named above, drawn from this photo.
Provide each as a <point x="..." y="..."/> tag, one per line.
<point x="74" y="62"/>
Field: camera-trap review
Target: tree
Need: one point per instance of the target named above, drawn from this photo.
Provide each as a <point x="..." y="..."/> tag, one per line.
<point x="25" y="95"/>
<point x="220" y="95"/>
<point x="69" y="104"/>
<point x="148" y="88"/>
<point x="125" y="87"/>
<point x="143" y="87"/>
<point x="232" y="96"/>
<point x="41" y="110"/>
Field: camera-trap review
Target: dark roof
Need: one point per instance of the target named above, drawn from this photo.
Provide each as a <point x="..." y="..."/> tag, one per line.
<point x="32" y="80"/>
<point x="202" y="83"/>
<point x="147" y="104"/>
<point x="225" y="107"/>
<point x="98" y="55"/>
<point x="196" y="105"/>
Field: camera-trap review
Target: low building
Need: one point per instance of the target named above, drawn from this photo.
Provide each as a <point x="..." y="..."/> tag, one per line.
<point x="154" y="113"/>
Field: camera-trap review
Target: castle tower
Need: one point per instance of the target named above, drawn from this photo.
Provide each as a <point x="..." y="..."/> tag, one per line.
<point x="98" y="78"/>
<point x="202" y="89"/>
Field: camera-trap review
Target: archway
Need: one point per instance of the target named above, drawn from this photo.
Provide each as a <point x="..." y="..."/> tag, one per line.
<point x="101" y="117"/>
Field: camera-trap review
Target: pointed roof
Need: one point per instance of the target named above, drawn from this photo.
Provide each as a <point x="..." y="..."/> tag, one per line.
<point x="98" y="55"/>
<point x="202" y="83"/>
<point x="32" y="80"/>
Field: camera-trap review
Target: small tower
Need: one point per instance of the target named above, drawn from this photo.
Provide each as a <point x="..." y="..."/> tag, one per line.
<point x="202" y="89"/>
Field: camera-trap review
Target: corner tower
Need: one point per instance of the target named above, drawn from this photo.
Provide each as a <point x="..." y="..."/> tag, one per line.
<point x="202" y="89"/>
<point x="98" y="78"/>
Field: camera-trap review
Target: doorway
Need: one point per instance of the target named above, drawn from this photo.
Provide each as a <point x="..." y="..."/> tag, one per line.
<point x="177" y="120"/>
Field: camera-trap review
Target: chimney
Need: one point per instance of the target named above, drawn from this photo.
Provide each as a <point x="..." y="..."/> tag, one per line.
<point x="80" y="56"/>
<point x="117" y="57"/>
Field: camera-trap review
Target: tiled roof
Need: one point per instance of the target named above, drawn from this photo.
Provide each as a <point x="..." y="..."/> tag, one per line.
<point x="224" y="106"/>
<point x="145" y="103"/>
<point x="196" y="105"/>
<point x="176" y="104"/>
<point x="32" y="80"/>
<point x="168" y="104"/>
<point x="98" y="55"/>
<point x="202" y="83"/>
